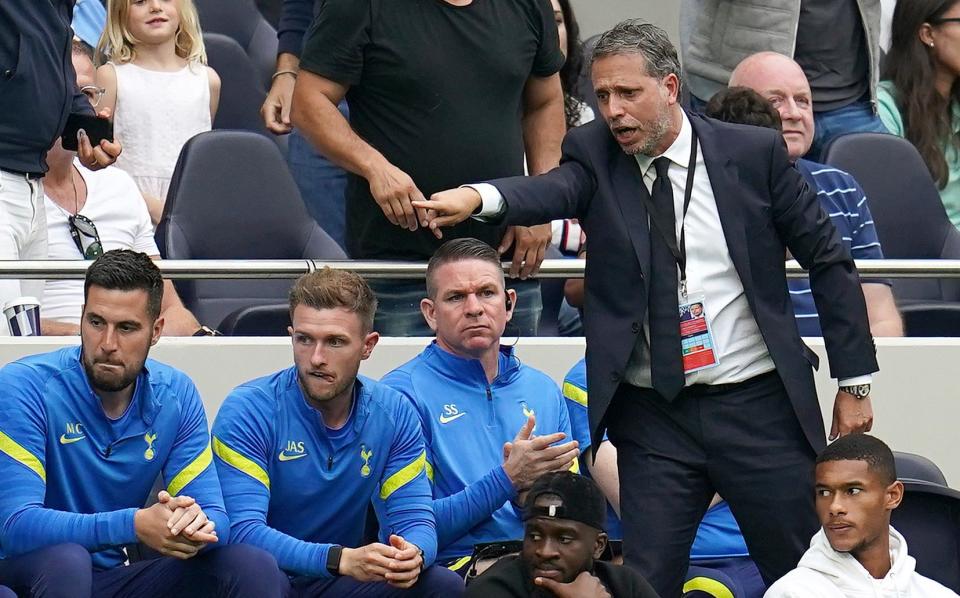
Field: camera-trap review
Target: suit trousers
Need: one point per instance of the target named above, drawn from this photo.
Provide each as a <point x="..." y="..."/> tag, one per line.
<point x="740" y="440"/>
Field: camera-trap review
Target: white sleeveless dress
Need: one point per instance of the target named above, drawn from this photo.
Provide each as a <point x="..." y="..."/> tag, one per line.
<point x="156" y="113"/>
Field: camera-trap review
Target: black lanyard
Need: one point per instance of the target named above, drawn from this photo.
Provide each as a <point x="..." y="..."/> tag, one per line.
<point x="663" y="227"/>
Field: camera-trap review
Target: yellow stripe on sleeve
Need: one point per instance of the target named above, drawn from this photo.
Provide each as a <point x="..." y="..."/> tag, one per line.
<point x="191" y="471"/>
<point x="575" y="466"/>
<point x="23" y="456"/>
<point x="709" y="586"/>
<point x="575" y="393"/>
<point x="429" y="469"/>
<point x="244" y="464"/>
<point x="404" y="476"/>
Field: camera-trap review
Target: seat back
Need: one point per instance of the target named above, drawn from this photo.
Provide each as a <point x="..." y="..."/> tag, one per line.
<point x="911" y="466"/>
<point x="257" y="320"/>
<point x="241" y="93"/>
<point x="909" y="216"/>
<point x="232" y="197"/>
<point x="242" y="21"/>
<point x="929" y="519"/>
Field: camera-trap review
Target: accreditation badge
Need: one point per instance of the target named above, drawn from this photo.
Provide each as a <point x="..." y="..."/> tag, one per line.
<point x="696" y="340"/>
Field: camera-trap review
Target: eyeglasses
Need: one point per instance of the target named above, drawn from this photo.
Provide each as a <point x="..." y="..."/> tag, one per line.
<point x="949" y="20"/>
<point x="93" y="93"/>
<point x="81" y="225"/>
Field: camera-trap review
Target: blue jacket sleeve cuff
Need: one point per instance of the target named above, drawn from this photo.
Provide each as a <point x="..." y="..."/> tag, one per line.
<point x="116" y="528"/>
<point x="503" y="482"/>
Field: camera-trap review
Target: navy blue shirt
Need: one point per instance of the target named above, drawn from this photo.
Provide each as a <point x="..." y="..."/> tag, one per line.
<point x="38" y="87"/>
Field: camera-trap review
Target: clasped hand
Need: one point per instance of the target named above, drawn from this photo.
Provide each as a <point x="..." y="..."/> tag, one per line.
<point x="398" y="564"/>
<point x="174" y="526"/>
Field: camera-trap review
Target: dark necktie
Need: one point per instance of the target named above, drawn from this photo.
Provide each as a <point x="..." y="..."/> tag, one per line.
<point x="666" y="363"/>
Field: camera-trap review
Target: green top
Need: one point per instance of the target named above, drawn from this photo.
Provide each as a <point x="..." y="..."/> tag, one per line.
<point x="890" y="115"/>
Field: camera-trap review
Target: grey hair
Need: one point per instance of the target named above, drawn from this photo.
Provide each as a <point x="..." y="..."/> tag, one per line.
<point x="636" y="36"/>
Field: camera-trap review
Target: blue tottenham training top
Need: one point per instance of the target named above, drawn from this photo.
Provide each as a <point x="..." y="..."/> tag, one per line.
<point x="70" y="474"/>
<point x="293" y="487"/>
<point x="466" y="422"/>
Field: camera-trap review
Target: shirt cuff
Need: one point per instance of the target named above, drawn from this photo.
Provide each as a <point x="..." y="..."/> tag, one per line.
<point x="864" y="379"/>
<point x="492" y="204"/>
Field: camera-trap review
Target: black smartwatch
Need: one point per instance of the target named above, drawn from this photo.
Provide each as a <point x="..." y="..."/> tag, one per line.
<point x="333" y="560"/>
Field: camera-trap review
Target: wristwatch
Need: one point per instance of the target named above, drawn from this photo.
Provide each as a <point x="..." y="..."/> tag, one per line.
<point x="333" y="560"/>
<point x="861" y="391"/>
<point x="206" y="331"/>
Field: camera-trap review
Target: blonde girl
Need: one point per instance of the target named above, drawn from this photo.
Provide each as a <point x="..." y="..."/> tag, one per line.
<point x="157" y="87"/>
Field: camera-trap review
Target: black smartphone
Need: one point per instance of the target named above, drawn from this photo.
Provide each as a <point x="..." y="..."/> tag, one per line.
<point x="97" y="129"/>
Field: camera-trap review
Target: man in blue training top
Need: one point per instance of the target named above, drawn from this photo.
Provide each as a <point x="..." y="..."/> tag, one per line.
<point x="491" y="424"/>
<point x="718" y="546"/>
<point x="303" y="452"/>
<point x="781" y="81"/>
<point x="84" y="433"/>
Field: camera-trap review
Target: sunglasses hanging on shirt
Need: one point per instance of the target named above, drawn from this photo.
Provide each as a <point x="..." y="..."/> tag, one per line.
<point x="85" y="236"/>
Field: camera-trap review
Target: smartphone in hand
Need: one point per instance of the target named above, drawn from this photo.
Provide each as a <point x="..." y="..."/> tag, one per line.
<point x="97" y="129"/>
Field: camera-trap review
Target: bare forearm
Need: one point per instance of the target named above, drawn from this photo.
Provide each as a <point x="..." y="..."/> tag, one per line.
<point x="177" y="319"/>
<point x="604" y="473"/>
<point x="288" y="62"/>
<point x="543" y="125"/>
<point x="55" y="328"/>
<point x="882" y="310"/>
<point x="316" y="116"/>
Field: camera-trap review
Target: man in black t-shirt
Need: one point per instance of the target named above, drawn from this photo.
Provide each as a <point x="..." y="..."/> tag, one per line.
<point x="440" y="92"/>
<point x="564" y="516"/>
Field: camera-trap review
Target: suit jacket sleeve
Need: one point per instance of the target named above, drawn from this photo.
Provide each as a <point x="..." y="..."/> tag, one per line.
<point x="564" y="192"/>
<point x="815" y="243"/>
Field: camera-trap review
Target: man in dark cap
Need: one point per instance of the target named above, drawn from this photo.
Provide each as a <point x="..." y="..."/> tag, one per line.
<point x="564" y="517"/>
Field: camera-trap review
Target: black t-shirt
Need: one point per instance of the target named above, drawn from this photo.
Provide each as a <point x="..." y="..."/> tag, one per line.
<point x="507" y="579"/>
<point x="438" y="90"/>
<point x="832" y="51"/>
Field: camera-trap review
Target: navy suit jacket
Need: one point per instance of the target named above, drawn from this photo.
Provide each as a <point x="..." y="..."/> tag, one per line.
<point x="765" y="207"/>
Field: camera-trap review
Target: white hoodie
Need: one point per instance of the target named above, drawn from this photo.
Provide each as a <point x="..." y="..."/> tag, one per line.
<point x="825" y="573"/>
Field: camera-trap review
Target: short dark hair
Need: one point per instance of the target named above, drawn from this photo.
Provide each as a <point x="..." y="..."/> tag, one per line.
<point x="330" y="289"/>
<point x="459" y="250"/>
<point x="863" y="447"/>
<point x="127" y="270"/>
<point x="744" y="106"/>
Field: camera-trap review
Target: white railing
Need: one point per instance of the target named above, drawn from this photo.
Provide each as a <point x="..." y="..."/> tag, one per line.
<point x="251" y="269"/>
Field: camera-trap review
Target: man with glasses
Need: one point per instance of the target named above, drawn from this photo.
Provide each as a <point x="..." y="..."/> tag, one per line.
<point x="39" y="93"/>
<point x="88" y="213"/>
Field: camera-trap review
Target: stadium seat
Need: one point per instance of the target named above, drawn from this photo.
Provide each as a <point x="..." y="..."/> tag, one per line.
<point x="257" y="320"/>
<point x="232" y="197"/>
<point x="703" y="582"/>
<point x="929" y="518"/>
<point x="910" y="221"/>
<point x="918" y="468"/>
<point x="242" y="21"/>
<point x="241" y="94"/>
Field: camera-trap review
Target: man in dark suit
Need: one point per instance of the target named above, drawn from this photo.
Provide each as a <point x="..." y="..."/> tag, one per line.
<point x="730" y="407"/>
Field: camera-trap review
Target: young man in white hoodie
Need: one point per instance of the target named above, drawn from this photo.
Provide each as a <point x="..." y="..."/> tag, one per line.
<point x="857" y="553"/>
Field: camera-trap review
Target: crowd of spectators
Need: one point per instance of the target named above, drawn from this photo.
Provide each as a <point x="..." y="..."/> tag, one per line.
<point x="417" y="132"/>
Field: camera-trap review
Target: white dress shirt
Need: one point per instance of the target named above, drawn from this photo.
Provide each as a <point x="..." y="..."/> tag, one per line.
<point x="737" y="340"/>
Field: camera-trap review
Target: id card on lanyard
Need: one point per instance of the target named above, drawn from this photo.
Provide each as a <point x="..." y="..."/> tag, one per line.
<point x="696" y="340"/>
